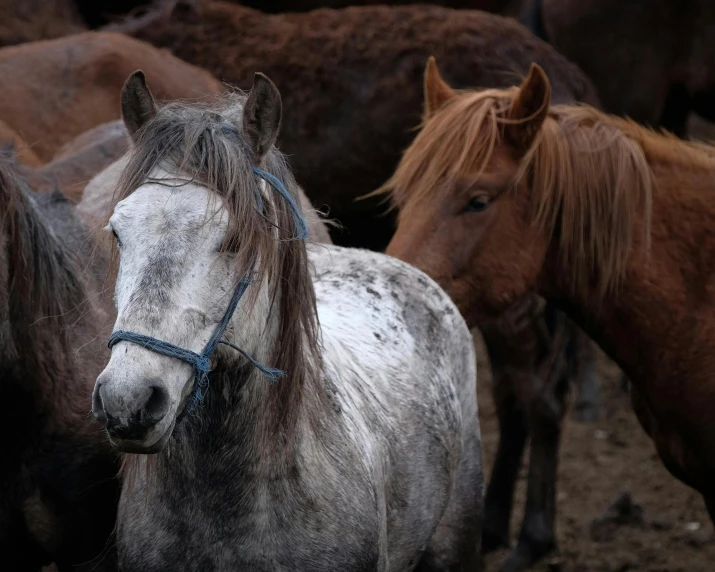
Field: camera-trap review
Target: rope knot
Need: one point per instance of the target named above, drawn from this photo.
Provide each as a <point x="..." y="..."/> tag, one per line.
<point x="203" y="364"/>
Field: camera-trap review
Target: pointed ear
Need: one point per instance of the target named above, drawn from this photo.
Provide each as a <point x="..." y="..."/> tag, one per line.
<point x="530" y="108"/>
<point x="138" y="106"/>
<point x="437" y="91"/>
<point x="262" y="115"/>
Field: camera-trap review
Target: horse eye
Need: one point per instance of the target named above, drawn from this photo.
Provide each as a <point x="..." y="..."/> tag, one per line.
<point x="478" y="204"/>
<point x="119" y="242"/>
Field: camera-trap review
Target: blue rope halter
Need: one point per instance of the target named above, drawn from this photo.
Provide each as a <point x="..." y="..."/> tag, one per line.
<point x="202" y="362"/>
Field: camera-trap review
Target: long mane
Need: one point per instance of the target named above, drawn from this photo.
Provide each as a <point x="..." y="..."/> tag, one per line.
<point x="590" y="175"/>
<point x="44" y="289"/>
<point x="206" y="143"/>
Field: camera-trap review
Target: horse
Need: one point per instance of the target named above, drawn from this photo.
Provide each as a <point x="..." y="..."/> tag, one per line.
<point x="58" y="486"/>
<point x="278" y="6"/>
<point x="335" y="65"/>
<point x="57" y="89"/>
<point x="669" y="45"/>
<point x="364" y="453"/>
<point x="504" y="192"/>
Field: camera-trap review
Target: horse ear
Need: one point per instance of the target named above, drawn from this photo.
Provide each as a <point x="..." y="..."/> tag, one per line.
<point x="530" y="108"/>
<point x="138" y="106"/>
<point x="437" y="91"/>
<point x="262" y="115"/>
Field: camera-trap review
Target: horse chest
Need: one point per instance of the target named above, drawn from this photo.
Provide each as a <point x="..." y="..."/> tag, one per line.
<point x="249" y="531"/>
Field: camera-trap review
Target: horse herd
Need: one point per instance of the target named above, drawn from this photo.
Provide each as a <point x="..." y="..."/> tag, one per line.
<point x="199" y="379"/>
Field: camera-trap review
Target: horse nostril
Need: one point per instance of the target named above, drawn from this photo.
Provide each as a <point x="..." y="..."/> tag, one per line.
<point x="157" y="405"/>
<point x="98" y="405"/>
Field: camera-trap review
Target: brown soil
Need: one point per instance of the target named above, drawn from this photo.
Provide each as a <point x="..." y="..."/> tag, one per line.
<point x="599" y="462"/>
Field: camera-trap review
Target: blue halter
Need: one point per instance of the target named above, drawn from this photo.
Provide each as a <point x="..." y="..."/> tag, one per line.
<point x="202" y="362"/>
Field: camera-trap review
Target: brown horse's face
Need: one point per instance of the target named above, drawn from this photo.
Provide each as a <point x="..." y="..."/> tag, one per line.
<point x="474" y="234"/>
<point x="475" y="239"/>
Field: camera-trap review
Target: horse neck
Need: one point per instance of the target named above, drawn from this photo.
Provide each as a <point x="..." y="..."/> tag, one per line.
<point x="661" y="309"/>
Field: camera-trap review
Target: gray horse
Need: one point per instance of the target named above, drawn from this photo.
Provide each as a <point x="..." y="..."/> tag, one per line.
<point x="364" y="455"/>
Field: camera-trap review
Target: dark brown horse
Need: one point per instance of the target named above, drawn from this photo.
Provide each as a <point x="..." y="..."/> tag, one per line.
<point x="502" y="194"/>
<point x="333" y="66"/>
<point x="275" y="6"/>
<point x="669" y="42"/>
<point x="57" y="89"/>
<point x="33" y="20"/>
<point x="58" y="491"/>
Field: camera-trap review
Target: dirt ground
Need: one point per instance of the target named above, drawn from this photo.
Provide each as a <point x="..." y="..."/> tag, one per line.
<point x="599" y="462"/>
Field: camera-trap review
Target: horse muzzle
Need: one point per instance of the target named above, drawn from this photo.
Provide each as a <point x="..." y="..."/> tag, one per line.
<point x="135" y="416"/>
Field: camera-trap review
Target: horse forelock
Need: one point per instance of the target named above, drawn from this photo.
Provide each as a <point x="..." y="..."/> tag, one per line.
<point x="205" y="144"/>
<point x="589" y="174"/>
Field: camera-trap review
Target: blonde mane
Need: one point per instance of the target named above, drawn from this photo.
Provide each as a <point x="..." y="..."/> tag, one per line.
<point x="589" y="173"/>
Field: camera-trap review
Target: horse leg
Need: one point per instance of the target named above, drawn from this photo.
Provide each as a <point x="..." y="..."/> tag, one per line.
<point x="546" y="410"/>
<point x="455" y="545"/>
<point x="512" y="440"/>
<point x="537" y="536"/>
<point x="588" y="399"/>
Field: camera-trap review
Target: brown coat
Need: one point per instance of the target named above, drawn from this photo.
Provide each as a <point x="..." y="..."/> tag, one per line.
<point x="56" y="89"/>
<point x="651" y="60"/>
<point x="350" y="82"/>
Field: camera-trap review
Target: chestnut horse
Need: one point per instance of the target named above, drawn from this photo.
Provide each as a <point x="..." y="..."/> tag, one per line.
<point x="335" y="65"/>
<point x="58" y="491"/>
<point x="669" y="42"/>
<point x="503" y="193"/>
<point x="56" y="89"/>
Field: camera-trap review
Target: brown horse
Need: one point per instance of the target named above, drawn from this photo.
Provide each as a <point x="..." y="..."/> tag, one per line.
<point x="58" y="491"/>
<point x="669" y="42"/>
<point x="503" y="193"/>
<point x="275" y="6"/>
<point x="56" y="89"/>
<point x="335" y="65"/>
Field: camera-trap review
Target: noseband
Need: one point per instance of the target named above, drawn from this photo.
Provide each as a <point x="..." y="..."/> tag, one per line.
<point x="202" y="362"/>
